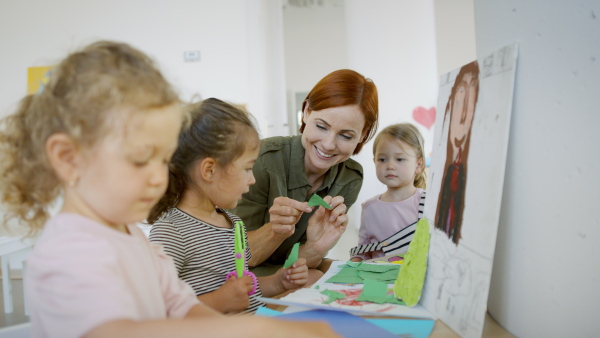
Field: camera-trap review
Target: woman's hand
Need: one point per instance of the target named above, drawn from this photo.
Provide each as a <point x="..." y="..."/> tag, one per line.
<point x="285" y="213"/>
<point x="325" y="227"/>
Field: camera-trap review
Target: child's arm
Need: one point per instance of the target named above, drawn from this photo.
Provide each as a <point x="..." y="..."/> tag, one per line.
<point x="283" y="280"/>
<point x="212" y="326"/>
<point x="363" y="237"/>
<point x="231" y="297"/>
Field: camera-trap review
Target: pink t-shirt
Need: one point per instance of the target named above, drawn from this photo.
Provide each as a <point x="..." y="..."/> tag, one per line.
<point x="82" y="274"/>
<point x="380" y="220"/>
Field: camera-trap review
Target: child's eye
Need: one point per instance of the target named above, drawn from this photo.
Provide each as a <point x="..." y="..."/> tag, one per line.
<point x="399" y="159"/>
<point x="381" y="159"/>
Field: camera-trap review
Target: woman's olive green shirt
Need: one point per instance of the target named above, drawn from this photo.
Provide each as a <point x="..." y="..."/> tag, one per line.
<point x="279" y="171"/>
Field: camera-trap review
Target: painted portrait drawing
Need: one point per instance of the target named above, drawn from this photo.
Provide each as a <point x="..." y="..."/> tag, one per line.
<point x="465" y="188"/>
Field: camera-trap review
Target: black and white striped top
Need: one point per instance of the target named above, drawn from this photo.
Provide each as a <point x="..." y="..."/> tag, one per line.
<point x="202" y="253"/>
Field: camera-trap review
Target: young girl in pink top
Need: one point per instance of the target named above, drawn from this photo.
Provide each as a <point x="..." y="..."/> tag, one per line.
<point x="386" y="219"/>
<point x="99" y="136"/>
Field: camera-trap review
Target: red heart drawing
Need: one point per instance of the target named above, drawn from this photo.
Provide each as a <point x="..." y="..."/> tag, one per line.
<point x="425" y="117"/>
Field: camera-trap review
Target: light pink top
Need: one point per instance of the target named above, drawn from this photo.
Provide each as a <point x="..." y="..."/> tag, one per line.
<point x="380" y="220"/>
<point x="82" y="274"/>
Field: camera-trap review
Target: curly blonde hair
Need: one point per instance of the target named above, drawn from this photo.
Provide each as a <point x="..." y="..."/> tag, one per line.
<point x="81" y="97"/>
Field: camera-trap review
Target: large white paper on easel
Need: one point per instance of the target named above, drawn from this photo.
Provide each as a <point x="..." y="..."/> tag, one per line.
<point x="465" y="188"/>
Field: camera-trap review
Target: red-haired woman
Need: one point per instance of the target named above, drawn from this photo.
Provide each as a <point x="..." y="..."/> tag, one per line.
<point x="339" y="116"/>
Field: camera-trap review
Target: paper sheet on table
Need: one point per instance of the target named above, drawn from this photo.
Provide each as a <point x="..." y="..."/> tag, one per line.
<point x="312" y="298"/>
<point x="352" y="273"/>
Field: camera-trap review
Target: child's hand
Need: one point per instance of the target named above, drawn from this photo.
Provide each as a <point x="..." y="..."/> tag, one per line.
<point x="234" y="294"/>
<point x="295" y="276"/>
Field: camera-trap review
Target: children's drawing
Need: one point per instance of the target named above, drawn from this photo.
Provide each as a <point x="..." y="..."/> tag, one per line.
<point x="460" y="110"/>
<point x="471" y="134"/>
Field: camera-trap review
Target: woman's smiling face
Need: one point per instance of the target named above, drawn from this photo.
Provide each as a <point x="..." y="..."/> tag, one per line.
<point x="330" y="136"/>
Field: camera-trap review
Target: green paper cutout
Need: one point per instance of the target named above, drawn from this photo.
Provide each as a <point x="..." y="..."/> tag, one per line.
<point x="293" y="257"/>
<point x="379" y="268"/>
<point x="409" y="284"/>
<point x="388" y="277"/>
<point x="374" y="288"/>
<point x="356" y="273"/>
<point x="333" y="295"/>
<point x="317" y="200"/>
<point x="352" y="264"/>
<point x="377" y="292"/>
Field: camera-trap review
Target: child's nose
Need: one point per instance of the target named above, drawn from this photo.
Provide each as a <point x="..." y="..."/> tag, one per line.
<point x="159" y="176"/>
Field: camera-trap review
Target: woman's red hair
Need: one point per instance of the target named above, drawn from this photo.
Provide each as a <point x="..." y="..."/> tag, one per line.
<point x="346" y="87"/>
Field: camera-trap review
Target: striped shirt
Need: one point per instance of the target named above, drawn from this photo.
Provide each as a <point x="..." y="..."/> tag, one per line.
<point x="202" y="253"/>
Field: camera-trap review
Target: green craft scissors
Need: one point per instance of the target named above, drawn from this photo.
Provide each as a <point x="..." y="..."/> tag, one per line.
<point x="239" y="255"/>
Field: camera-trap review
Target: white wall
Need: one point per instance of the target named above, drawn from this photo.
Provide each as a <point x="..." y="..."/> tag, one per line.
<point x="315" y="45"/>
<point x="393" y="43"/>
<point x="315" y="42"/>
<point x="546" y="276"/>
<point x="266" y="66"/>
<point x="455" y="34"/>
<point x="39" y="33"/>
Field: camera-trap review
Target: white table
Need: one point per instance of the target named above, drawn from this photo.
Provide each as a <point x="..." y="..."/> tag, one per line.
<point x="8" y="247"/>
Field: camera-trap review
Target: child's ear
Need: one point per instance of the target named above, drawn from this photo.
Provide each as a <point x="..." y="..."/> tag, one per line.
<point x="207" y="169"/>
<point x="64" y="156"/>
<point x="420" y="166"/>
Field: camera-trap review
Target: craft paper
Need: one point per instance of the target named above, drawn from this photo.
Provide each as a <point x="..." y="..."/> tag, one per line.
<point x="317" y="200"/>
<point x="410" y="280"/>
<point x="413" y="328"/>
<point x="377" y="292"/>
<point x="293" y="257"/>
<point x="266" y="312"/>
<point x="312" y="298"/>
<point x="333" y="295"/>
<point x="410" y="328"/>
<point x="343" y="323"/>
<point x="352" y="273"/>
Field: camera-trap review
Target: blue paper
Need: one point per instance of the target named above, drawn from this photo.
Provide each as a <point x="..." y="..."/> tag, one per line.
<point x="415" y="328"/>
<point x="266" y="312"/>
<point x="343" y="323"/>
